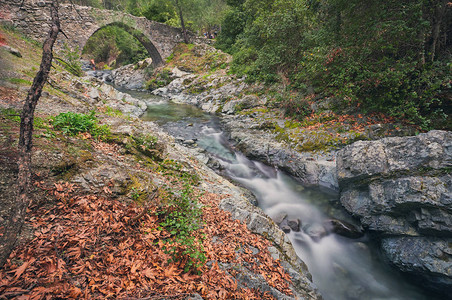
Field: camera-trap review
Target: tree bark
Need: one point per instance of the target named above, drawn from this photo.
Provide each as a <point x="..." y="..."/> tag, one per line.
<point x="182" y="24"/>
<point x="437" y="22"/>
<point x="16" y="218"/>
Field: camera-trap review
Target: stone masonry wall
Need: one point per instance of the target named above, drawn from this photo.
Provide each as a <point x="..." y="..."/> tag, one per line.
<point x="80" y="22"/>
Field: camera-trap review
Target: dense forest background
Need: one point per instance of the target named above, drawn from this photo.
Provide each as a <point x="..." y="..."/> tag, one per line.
<point x="387" y="56"/>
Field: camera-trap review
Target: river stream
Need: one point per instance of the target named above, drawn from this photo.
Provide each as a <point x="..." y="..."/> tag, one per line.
<point x="342" y="268"/>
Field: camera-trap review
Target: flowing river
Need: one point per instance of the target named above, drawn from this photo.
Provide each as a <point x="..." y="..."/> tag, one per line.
<point x="342" y="268"/>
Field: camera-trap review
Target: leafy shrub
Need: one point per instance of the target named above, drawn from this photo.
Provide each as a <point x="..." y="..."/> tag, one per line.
<point x="160" y="79"/>
<point x="182" y="219"/>
<point x="170" y="167"/>
<point x="73" y="123"/>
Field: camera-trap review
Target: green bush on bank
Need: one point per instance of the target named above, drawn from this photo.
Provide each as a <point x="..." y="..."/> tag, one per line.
<point x="73" y="123"/>
<point x="182" y="218"/>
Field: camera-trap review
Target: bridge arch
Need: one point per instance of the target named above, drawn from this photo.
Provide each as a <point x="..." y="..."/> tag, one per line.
<point x="80" y="22"/>
<point x="141" y="37"/>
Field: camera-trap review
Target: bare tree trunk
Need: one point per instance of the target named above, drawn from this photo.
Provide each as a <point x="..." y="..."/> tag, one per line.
<point x="437" y="22"/>
<point x="17" y="215"/>
<point x="182" y="24"/>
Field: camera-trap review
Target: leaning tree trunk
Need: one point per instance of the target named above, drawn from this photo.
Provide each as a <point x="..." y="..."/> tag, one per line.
<point x="18" y="211"/>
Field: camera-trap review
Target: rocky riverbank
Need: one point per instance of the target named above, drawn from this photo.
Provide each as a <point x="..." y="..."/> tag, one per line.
<point x="399" y="187"/>
<point x="254" y="134"/>
<point x="126" y="168"/>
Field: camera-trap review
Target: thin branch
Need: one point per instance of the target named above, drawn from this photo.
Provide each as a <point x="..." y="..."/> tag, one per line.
<point x="73" y="6"/>
<point x="64" y="34"/>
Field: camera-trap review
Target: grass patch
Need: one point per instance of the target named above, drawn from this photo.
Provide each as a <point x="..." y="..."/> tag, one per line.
<point x="13" y="30"/>
<point x="19" y="81"/>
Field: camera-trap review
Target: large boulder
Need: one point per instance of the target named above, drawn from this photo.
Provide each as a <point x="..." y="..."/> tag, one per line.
<point x="401" y="189"/>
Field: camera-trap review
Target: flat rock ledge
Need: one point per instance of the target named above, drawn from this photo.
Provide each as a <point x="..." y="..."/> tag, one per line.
<point x="262" y="145"/>
<point x="401" y="189"/>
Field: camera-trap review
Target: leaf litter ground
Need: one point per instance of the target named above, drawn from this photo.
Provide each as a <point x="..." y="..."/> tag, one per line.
<point x="89" y="247"/>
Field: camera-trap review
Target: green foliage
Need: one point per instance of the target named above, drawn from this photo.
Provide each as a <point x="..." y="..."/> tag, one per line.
<point x="233" y="25"/>
<point x="10" y="114"/>
<point x="379" y="56"/>
<point x="135" y="194"/>
<point x="73" y="123"/>
<point x="182" y="218"/>
<point x="159" y="11"/>
<point x="174" y="169"/>
<point x="146" y="142"/>
<point x="294" y="105"/>
<point x="14" y="115"/>
<point x="113" y="112"/>
<point x="158" y="80"/>
<point x="114" y="46"/>
<point x="70" y="60"/>
<point x="19" y="81"/>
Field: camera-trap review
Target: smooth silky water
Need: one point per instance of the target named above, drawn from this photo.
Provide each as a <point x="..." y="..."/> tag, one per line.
<point x="342" y="268"/>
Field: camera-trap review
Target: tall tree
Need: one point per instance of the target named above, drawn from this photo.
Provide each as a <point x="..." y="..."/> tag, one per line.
<point x="180" y="5"/>
<point x="16" y="218"/>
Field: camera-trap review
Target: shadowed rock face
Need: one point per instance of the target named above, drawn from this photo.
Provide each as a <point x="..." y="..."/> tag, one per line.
<point x="401" y="188"/>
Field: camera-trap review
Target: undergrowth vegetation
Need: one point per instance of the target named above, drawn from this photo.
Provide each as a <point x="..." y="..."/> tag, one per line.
<point x="70" y="60"/>
<point x="384" y="56"/>
<point x="181" y="217"/>
<point x="73" y="123"/>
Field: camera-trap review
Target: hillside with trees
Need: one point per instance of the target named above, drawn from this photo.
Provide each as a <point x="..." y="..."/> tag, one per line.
<point x="387" y="56"/>
<point x="286" y="149"/>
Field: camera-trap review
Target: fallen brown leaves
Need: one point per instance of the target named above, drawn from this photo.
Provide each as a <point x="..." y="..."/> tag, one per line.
<point x="9" y="97"/>
<point x="231" y="235"/>
<point x="86" y="247"/>
<point x="2" y="40"/>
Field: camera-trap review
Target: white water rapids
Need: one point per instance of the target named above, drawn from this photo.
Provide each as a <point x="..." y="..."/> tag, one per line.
<point x="341" y="268"/>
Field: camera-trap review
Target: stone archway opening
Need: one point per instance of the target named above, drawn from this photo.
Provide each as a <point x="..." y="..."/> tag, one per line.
<point x="142" y="39"/>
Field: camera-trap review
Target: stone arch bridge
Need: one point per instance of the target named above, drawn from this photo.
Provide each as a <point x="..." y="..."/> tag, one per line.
<point x="79" y="23"/>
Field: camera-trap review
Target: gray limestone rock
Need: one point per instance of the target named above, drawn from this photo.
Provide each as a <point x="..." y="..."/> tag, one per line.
<point x="12" y="50"/>
<point x="401" y="188"/>
<point x="428" y="259"/>
<point x="343" y="228"/>
<point x="294" y="224"/>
